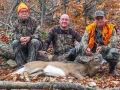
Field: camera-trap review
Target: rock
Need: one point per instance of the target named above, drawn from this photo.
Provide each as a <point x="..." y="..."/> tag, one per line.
<point x="92" y="84"/>
<point x="11" y="63"/>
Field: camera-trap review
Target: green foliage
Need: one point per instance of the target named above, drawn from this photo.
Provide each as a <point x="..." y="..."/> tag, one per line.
<point x="99" y="3"/>
<point x="44" y="34"/>
<point x="89" y="89"/>
<point x="97" y="78"/>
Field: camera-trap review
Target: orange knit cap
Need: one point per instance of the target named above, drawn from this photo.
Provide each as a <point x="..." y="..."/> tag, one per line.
<point x="21" y="6"/>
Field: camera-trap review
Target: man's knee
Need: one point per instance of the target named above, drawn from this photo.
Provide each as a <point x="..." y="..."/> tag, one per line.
<point x="113" y="54"/>
<point x="36" y="42"/>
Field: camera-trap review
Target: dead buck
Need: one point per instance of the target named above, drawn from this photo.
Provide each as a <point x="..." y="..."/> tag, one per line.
<point x="77" y="70"/>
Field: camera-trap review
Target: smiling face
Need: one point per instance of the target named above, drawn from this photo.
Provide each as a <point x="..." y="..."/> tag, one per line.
<point x="100" y="21"/>
<point x="64" y="22"/>
<point x="23" y="14"/>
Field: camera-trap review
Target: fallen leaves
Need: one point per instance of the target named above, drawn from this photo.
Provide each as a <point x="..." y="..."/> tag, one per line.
<point x="101" y="80"/>
<point x="3" y="36"/>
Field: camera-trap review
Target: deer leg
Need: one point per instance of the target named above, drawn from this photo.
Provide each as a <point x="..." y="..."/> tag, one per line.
<point x="77" y="74"/>
<point x="25" y="75"/>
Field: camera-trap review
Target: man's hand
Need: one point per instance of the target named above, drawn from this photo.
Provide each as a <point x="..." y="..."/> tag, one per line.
<point x="27" y="39"/>
<point x="24" y="40"/>
<point x="42" y="53"/>
<point x="99" y="49"/>
<point x="88" y="51"/>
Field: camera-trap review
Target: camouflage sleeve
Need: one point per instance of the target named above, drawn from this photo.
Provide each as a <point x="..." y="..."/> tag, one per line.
<point x="83" y="42"/>
<point x="113" y="41"/>
<point x="37" y="33"/>
<point x="48" y="40"/>
<point x="15" y="34"/>
<point x="85" y="39"/>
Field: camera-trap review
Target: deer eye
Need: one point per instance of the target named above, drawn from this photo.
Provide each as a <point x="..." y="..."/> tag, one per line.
<point x="96" y="58"/>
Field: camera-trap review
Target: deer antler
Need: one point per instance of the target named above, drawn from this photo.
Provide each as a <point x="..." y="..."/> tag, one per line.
<point x="98" y="44"/>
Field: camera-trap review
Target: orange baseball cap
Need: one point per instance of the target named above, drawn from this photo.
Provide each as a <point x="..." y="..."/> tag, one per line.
<point x="21" y="6"/>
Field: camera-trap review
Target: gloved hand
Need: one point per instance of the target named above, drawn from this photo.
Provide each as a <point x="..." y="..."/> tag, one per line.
<point x="73" y="51"/>
<point x="72" y="55"/>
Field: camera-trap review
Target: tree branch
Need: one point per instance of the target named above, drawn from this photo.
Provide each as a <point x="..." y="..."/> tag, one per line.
<point x="6" y="24"/>
<point x="43" y="85"/>
<point x="12" y="10"/>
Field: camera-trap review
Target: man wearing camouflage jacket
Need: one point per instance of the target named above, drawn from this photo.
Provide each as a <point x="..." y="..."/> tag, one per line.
<point x="26" y="36"/>
<point x="101" y="37"/>
<point x="62" y="37"/>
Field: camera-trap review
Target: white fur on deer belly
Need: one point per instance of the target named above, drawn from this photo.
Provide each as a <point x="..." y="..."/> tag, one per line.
<point x="53" y="71"/>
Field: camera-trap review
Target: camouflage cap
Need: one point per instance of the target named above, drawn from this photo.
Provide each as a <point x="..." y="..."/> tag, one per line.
<point x="99" y="13"/>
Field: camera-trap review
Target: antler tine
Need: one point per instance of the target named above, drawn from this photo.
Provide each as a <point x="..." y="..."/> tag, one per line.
<point x="98" y="44"/>
<point x="93" y="54"/>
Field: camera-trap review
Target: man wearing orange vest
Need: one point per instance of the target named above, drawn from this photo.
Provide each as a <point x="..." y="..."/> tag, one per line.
<point x="101" y="37"/>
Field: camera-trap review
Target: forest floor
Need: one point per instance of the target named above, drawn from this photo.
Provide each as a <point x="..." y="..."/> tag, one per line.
<point x="100" y="81"/>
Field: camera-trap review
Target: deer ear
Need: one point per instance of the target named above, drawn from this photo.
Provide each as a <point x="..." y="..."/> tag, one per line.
<point x="91" y="58"/>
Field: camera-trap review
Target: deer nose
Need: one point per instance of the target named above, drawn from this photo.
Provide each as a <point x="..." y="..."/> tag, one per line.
<point x="104" y="62"/>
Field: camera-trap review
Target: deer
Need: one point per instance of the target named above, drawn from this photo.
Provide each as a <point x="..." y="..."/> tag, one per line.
<point x="56" y="68"/>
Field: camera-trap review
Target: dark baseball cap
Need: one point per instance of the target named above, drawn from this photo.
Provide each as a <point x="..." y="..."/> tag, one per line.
<point x="99" y="13"/>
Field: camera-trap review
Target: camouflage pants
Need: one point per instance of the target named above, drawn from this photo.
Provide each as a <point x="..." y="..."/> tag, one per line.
<point x="26" y="53"/>
<point x="110" y="55"/>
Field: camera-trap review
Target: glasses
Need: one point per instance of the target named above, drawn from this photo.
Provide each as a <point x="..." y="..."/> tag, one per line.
<point x="25" y="11"/>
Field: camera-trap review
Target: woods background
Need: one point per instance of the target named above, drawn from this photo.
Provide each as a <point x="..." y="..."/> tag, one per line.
<point x="47" y="13"/>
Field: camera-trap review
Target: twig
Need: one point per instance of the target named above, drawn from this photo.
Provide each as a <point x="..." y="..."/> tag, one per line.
<point x="12" y="10"/>
<point x="6" y="24"/>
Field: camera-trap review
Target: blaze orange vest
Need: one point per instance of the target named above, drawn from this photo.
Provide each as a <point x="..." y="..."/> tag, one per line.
<point x="106" y="33"/>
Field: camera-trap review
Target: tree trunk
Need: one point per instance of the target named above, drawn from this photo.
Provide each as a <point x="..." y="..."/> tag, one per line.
<point x="12" y="10"/>
<point x="64" y="5"/>
<point x="43" y="12"/>
<point x="43" y="85"/>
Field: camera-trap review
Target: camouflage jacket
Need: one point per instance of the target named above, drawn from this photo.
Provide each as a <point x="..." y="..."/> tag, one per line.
<point x="61" y="39"/>
<point x="28" y="27"/>
<point x="112" y="43"/>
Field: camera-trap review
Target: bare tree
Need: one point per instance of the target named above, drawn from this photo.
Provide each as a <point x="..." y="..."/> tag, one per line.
<point x="11" y="11"/>
<point x="43" y="2"/>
